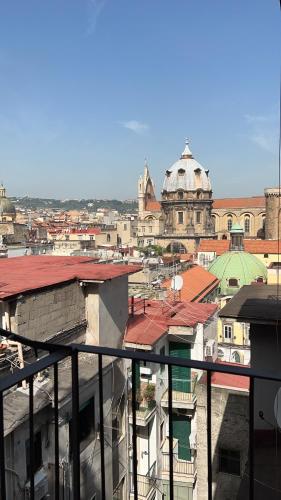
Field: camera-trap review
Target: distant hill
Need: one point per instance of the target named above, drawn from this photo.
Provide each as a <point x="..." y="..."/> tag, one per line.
<point x="90" y="205"/>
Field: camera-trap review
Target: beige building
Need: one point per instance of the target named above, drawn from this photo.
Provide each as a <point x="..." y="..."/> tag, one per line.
<point x="184" y="214"/>
<point x="249" y="213"/>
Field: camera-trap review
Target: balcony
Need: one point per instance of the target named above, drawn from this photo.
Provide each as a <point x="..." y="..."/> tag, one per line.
<point x="181" y="399"/>
<point x="183" y="470"/>
<point x="253" y="477"/>
<point x="146" y="404"/>
<point x="144" y="414"/>
<point x="146" y="484"/>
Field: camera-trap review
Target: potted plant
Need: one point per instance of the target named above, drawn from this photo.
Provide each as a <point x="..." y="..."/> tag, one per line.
<point x="149" y="393"/>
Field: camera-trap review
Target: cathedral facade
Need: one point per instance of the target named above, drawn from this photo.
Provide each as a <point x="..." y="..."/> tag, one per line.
<point x="183" y="216"/>
<point x="187" y="213"/>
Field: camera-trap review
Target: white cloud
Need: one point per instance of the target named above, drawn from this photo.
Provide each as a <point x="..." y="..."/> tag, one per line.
<point x="263" y="131"/>
<point x="135" y="126"/>
<point x="96" y="7"/>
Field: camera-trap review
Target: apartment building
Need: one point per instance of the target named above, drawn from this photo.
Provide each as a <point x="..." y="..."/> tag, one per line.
<point x="184" y="330"/>
<point x="63" y="300"/>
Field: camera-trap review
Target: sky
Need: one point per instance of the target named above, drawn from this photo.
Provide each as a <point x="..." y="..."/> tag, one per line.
<point x="90" y="88"/>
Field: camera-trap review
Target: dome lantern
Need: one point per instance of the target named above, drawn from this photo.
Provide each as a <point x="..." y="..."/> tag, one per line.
<point x="236" y="238"/>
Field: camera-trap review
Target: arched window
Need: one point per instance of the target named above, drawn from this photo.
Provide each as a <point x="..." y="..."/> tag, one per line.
<point x="233" y="282"/>
<point x="181" y="171"/>
<point x="229" y="222"/>
<point x="214" y="219"/>
<point x="236" y="358"/>
<point x="220" y="354"/>
<point x="260" y="279"/>
<point x="247" y="224"/>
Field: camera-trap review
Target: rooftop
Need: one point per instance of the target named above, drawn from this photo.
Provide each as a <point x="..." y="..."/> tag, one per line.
<point x="24" y="274"/>
<point x="250" y="202"/>
<point x="256" y="303"/>
<point x="197" y="283"/>
<point x="250" y="246"/>
<point x="147" y="327"/>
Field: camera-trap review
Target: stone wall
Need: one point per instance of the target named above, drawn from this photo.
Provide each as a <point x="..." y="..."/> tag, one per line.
<point x="40" y="315"/>
<point x="230" y="429"/>
<point x="272" y="200"/>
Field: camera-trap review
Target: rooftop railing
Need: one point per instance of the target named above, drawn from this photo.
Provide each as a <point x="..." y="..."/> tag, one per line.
<point x="58" y="353"/>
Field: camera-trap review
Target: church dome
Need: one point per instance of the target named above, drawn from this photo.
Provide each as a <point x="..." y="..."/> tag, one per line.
<point x="236" y="269"/>
<point x="6" y="206"/>
<point x="186" y="174"/>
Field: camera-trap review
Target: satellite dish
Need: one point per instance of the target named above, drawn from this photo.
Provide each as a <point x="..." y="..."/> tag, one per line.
<point x="277" y="408"/>
<point x="177" y="283"/>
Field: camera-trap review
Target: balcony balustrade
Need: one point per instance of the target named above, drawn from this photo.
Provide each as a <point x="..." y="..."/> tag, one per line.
<point x="141" y="485"/>
<point x="183" y="393"/>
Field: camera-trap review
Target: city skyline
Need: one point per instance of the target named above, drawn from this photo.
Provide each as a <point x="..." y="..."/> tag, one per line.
<point x="84" y="99"/>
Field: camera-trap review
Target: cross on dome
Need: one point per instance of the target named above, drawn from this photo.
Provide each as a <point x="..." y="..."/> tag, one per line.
<point x="186" y="152"/>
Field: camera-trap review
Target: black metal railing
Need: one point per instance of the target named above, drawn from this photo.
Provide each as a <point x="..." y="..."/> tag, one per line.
<point x="58" y="353"/>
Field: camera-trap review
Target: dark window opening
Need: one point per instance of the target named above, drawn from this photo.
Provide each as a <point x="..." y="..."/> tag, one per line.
<point x="37" y="459"/>
<point x="86" y="430"/>
<point x="229" y="461"/>
<point x="162" y="353"/>
<point x="233" y="282"/>
<point x="180" y="217"/>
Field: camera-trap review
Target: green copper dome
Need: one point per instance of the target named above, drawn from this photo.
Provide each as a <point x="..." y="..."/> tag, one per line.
<point x="236" y="269"/>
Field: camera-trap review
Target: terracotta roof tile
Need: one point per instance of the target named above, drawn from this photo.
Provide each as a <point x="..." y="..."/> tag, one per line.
<point x="24" y="274"/>
<point x="146" y="328"/>
<point x="153" y="206"/>
<point x="251" y="202"/>
<point x="217" y="246"/>
<point x="197" y="283"/>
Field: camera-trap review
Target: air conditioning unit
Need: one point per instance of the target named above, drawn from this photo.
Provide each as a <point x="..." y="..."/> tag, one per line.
<point x="40" y="486"/>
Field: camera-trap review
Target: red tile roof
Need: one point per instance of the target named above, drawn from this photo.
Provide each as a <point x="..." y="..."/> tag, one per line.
<point x="217" y="246"/>
<point x="251" y="246"/>
<point x="146" y="328"/>
<point x="251" y="202"/>
<point x="261" y="246"/>
<point x="153" y="206"/>
<point x="24" y="274"/>
<point x="197" y="283"/>
<point x="228" y="380"/>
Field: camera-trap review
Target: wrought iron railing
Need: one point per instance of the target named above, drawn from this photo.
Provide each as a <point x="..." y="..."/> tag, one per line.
<point x="58" y="353"/>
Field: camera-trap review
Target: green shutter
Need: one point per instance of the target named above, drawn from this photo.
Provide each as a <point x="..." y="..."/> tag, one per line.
<point x="180" y="375"/>
<point x="181" y="431"/>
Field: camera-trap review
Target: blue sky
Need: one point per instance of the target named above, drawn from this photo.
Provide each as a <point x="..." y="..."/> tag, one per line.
<point x="89" y="88"/>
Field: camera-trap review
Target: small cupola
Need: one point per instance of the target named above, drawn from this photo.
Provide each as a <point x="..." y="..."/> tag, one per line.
<point x="236" y="238"/>
<point x="186" y="154"/>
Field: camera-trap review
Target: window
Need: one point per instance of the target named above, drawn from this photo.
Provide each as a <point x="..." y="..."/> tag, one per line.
<point x="198" y="217"/>
<point x="229" y="223"/>
<point x="247" y="224"/>
<point x="180" y="195"/>
<point x="220" y="353"/>
<point x="227" y="332"/>
<point x="180" y="217"/>
<point x="259" y="279"/>
<point x="236" y="358"/>
<point x="117" y="422"/>
<point x="67" y="237"/>
<point x="233" y="282"/>
<point x="181" y="171"/>
<point x="229" y="461"/>
<point x="162" y="353"/>
<point x="150" y="229"/>
<point x="265" y="255"/>
<point x="162" y="436"/>
<point x="91" y="238"/>
<point x="37" y="454"/>
<point x="86" y="430"/>
<point x="108" y="238"/>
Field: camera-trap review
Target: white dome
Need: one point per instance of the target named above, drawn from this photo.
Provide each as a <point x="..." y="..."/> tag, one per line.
<point x="187" y="174"/>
